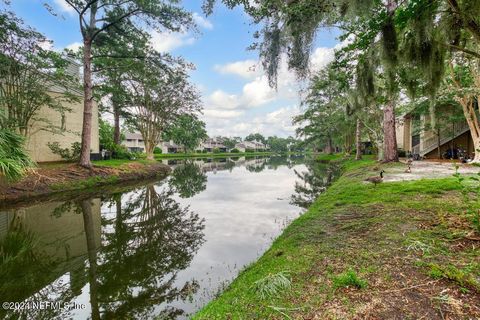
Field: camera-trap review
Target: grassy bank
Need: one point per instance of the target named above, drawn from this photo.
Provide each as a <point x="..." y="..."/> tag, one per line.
<point x="58" y="178"/>
<point x="401" y="250"/>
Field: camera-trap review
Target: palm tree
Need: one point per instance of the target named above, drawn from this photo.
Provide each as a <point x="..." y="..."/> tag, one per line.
<point x="14" y="160"/>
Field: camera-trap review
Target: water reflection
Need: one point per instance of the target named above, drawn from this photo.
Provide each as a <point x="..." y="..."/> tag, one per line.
<point x="133" y="253"/>
<point x="160" y="250"/>
<point x="312" y="182"/>
<point x="188" y="179"/>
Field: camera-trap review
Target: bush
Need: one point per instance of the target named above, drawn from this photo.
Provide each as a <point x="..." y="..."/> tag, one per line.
<point x="204" y="151"/>
<point x="69" y="154"/>
<point x="216" y="150"/>
<point x="121" y="152"/>
<point x="157" y="150"/>
<point x="249" y="150"/>
<point x="235" y="150"/>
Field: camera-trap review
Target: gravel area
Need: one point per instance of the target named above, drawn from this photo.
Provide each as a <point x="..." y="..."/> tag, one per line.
<point x="425" y="169"/>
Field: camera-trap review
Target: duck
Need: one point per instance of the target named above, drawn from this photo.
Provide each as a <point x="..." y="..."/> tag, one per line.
<point x="376" y="179"/>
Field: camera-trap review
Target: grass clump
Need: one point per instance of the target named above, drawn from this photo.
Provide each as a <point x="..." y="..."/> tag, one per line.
<point x="452" y="273"/>
<point x="348" y="279"/>
<point x="272" y="284"/>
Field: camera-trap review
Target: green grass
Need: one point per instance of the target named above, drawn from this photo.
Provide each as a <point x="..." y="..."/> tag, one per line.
<point x="115" y="163"/>
<point x="391" y="234"/>
<point x="348" y="279"/>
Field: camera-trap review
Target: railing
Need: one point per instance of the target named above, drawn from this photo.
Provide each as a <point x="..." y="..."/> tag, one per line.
<point x="446" y="134"/>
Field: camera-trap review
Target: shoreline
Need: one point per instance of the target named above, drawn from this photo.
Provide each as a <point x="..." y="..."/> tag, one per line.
<point x="65" y="178"/>
<point x="362" y="251"/>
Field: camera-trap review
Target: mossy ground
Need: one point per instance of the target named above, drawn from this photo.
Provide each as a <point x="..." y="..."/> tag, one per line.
<point x="409" y="243"/>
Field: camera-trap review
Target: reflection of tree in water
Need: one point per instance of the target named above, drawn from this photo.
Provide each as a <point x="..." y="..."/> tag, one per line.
<point x="188" y="179"/>
<point x="144" y="244"/>
<point x="313" y="182"/>
<point x="151" y="239"/>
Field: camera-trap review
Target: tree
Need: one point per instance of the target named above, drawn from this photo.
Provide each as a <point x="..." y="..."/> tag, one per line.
<point x="324" y="119"/>
<point x="256" y="137"/>
<point x="187" y="130"/>
<point x="160" y="93"/>
<point x="230" y="142"/>
<point x="106" y="133"/>
<point x="96" y="17"/>
<point x="27" y="74"/>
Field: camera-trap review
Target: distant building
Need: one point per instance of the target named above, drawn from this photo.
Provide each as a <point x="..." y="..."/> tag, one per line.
<point x="134" y="143"/>
<point x="251" y="145"/>
<point x="211" y="144"/>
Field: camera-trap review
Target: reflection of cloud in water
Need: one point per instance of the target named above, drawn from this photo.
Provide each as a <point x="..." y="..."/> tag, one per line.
<point x="243" y="213"/>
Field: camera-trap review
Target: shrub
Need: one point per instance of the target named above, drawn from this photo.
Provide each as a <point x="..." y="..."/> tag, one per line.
<point x="204" y="151"/>
<point x="121" y="152"/>
<point x="157" y="150"/>
<point x="216" y="150"/>
<point x="235" y="150"/>
<point x="14" y="160"/>
<point x="348" y="279"/>
<point x="249" y="150"/>
<point x="69" y="154"/>
<point x="402" y="153"/>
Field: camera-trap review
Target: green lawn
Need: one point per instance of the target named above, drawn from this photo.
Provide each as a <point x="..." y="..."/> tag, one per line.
<point x="398" y="250"/>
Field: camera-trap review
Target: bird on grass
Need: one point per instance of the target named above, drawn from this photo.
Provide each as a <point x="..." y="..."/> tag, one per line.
<point x="409" y="169"/>
<point x="376" y="179"/>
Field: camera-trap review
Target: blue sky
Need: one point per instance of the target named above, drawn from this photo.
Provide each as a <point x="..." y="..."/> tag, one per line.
<point x="235" y="93"/>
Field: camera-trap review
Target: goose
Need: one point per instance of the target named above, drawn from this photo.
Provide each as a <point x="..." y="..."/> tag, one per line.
<point x="409" y="169"/>
<point x="376" y="179"/>
<point x="409" y="162"/>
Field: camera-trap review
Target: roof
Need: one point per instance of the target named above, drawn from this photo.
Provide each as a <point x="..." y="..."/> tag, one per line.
<point x="133" y="136"/>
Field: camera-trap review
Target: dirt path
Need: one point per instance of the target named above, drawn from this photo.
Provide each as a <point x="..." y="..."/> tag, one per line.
<point x="427" y="170"/>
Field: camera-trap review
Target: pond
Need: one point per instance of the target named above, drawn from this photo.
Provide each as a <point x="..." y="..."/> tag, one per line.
<point x="164" y="248"/>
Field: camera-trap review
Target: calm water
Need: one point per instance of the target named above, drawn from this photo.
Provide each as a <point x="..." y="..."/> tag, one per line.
<point x="163" y="249"/>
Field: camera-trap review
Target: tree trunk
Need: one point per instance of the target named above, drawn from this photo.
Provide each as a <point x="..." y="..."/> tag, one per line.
<point x="439" y="150"/>
<point x="329" y="146"/>
<point x="358" y="140"/>
<point x="116" y="125"/>
<point x="390" y="137"/>
<point x="149" y="146"/>
<point x="87" y="105"/>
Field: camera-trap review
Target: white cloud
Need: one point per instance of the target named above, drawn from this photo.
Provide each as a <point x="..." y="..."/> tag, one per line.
<point x="222" y="114"/>
<point x="258" y="92"/>
<point x="321" y="57"/>
<point x="167" y="41"/>
<point x="247" y="69"/>
<point x="74" y="46"/>
<point x="202" y="22"/>
<point x="64" y="6"/>
<point x="222" y="100"/>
